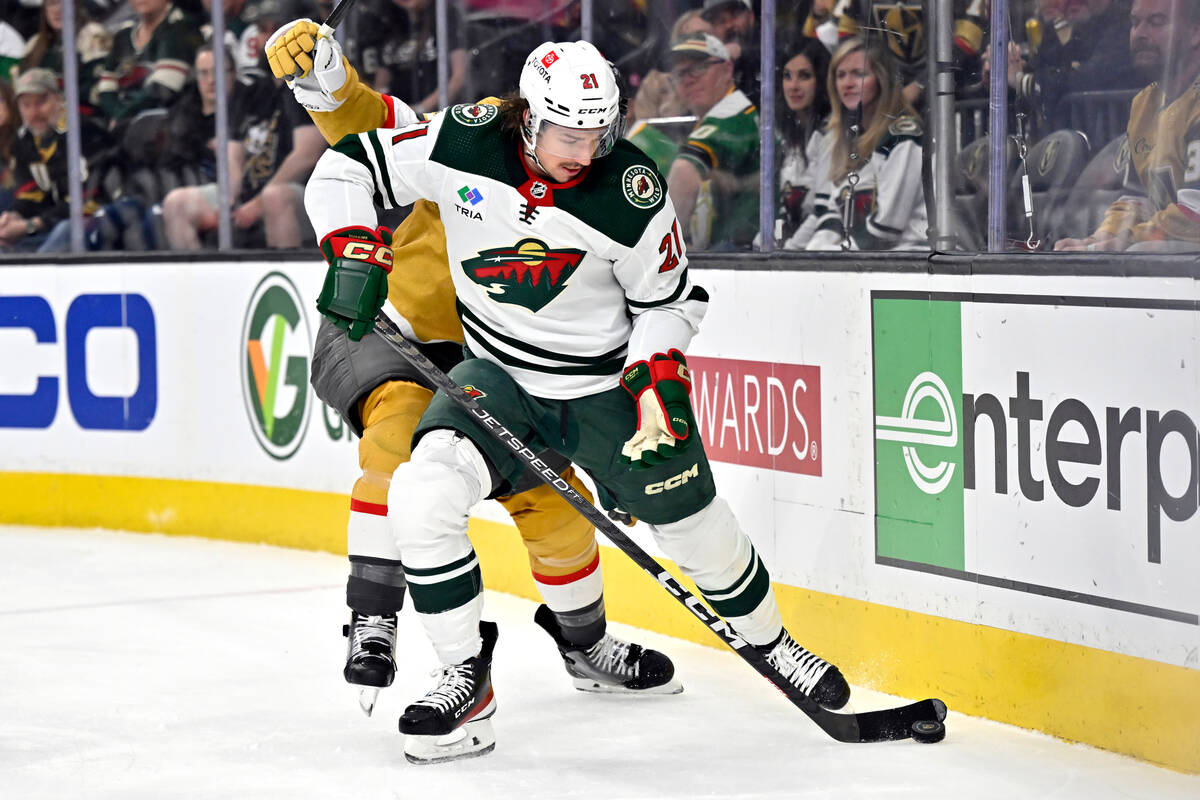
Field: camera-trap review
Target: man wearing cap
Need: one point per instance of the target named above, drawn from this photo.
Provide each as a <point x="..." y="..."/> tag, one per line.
<point x="714" y="179"/>
<point x="40" y="162"/>
<point x="733" y="22"/>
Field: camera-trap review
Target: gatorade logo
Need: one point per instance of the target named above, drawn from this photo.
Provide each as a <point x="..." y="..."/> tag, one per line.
<point x="276" y="352"/>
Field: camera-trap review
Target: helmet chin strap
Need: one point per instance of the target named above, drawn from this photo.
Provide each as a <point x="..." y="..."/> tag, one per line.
<point x="529" y="139"/>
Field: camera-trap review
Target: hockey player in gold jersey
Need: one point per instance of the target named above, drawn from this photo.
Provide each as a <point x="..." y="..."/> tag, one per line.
<point x="382" y="397"/>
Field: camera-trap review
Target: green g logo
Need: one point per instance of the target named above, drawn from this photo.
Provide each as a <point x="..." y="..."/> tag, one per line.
<point x="276" y="348"/>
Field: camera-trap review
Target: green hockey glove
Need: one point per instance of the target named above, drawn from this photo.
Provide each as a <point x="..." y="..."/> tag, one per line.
<point x="355" y="285"/>
<point x="660" y="387"/>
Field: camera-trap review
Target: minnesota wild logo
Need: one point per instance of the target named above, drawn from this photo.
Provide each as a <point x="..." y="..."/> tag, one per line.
<point x="529" y="274"/>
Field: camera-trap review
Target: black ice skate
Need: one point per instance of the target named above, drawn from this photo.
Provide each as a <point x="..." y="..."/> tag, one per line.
<point x="453" y="721"/>
<point x="370" y="655"/>
<point x="808" y="672"/>
<point x="611" y="665"/>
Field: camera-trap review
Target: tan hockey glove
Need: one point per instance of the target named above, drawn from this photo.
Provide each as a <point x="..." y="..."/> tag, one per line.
<point x="314" y="67"/>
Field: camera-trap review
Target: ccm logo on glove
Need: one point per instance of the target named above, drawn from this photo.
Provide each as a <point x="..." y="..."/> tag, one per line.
<point x="351" y="243"/>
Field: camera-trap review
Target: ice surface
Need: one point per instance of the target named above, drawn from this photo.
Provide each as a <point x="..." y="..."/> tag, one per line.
<point x="157" y="667"/>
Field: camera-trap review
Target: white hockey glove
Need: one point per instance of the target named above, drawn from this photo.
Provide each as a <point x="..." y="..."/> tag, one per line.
<point x="312" y="65"/>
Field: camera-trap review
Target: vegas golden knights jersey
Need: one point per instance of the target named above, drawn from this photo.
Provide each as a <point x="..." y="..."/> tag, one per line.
<point x="1163" y="169"/>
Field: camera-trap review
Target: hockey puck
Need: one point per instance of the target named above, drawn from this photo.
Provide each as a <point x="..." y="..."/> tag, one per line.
<point x="928" y="731"/>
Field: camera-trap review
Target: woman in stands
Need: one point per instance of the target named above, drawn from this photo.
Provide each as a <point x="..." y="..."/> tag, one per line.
<point x="45" y="48"/>
<point x="803" y="112"/>
<point x="871" y="197"/>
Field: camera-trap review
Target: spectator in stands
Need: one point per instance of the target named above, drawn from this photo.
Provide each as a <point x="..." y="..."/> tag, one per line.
<point x="40" y="164"/>
<point x="10" y="122"/>
<point x="149" y="61"/>
<point x="1094" y="55"/>
<point x="656" y="96"/>
<point x="401" y="52"/>
<point x="240" y="36"/>
<point x="874" y="175"/>
<point x="21" y="17"/>
<point x="902" y="26"/>
<point x="189" y="147"/>
<point x="1049" y="20"/>
<point x="734" y="23"/>
<point x="264" y="17"/>
<point x="45" y="48"/>
<point x="713" y="181"/>
<point x="12" y="46"/>
<point x="1164" y="136"/>
<point x="508" y="30"/>
<point x="802" y="110"/>
<point x="651" y="141"/>
<point x="273" y="148"/>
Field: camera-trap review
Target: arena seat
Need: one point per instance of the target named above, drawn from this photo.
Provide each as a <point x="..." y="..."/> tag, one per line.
<point x="1098" y="186"/>
<point x="1053" y="164"/>
<point x="971" y="189"/>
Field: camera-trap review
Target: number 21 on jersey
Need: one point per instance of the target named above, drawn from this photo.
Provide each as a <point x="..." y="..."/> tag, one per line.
<point x="671" y="247"/>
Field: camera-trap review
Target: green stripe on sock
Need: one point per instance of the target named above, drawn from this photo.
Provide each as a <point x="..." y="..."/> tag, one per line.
<point x="745" y="601"/>
<point x="434" y="598"/>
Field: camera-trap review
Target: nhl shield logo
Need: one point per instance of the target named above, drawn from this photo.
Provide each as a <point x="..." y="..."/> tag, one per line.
<point x="641" y="186"/>
<point x="537" y="190"/>
<point x="529" y="274"/>
<point x="474" y="114"/>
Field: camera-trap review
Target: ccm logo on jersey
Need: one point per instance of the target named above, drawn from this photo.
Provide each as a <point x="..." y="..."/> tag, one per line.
<point x="675" y="481"/>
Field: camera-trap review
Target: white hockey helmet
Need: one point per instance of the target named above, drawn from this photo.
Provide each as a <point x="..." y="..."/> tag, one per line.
<point x="571" y="85"/>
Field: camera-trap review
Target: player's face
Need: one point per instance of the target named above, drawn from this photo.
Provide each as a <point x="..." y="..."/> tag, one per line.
<point x="564" y="152"/>
<point x="799" y="83"/>
<point x="856" y="84"/>
<point x="40" y="112"/>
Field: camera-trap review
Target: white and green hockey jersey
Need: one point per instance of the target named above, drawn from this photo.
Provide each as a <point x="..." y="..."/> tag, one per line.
<point x="549" y="277"/>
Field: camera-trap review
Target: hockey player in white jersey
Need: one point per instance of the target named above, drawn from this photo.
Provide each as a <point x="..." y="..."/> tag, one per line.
<point x="381" y="397"/>
<point x="576" y="304"/>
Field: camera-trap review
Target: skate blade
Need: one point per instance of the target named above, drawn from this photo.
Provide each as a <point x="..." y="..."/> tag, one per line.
<point x="471" y="740"/>
<point x="367" y="698"/>
<point x="672" y="686"/>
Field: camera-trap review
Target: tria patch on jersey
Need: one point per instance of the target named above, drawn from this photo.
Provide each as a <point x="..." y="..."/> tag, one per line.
<point x="471" y="391"/>
<point x="474" y="114"/>
<point x="529" y="274"/>
<point x="641" y="186"/>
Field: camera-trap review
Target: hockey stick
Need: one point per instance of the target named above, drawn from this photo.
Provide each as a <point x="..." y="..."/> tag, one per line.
<point x="331" y="22"/>
<point x="334" y="18"/>
<point x="871" y="726"/>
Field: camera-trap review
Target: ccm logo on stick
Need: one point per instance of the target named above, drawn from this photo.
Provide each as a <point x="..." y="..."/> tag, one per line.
<point x="675" y="481"/>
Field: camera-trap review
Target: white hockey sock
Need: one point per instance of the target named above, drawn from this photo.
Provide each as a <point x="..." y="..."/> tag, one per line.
<point x="711" y="549"/>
